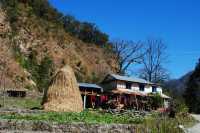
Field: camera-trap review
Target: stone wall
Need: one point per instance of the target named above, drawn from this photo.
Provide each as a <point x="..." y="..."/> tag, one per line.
<point x="32" y="126"/>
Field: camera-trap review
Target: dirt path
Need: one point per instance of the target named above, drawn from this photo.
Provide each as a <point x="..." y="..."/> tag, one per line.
<point x="195" y="128"/>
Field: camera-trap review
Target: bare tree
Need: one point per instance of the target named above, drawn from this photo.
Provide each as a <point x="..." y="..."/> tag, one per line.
<point x="153" y="61"/>
<point x="126" y="54"/>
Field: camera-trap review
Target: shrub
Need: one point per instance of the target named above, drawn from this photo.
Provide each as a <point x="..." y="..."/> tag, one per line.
<point x="180" y="106"/>
<point x="45" y="70"/>
<point x="41" y="73"/>
<point x="156" y="100"/>
<point x="12" y="9"/>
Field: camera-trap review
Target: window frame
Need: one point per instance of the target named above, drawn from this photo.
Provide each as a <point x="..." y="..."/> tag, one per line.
<point x="141" y="87"/>
<point x="154" y="89"/>
<point x="128" y="85"/>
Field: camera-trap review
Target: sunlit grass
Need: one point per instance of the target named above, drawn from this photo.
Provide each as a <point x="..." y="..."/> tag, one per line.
<point x="155" y="123"/>
<point x="17" y="102"/>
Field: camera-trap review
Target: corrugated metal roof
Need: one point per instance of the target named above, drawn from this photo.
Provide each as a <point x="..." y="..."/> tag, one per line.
<point x="131" y="79"/>
<point x="88" y="85"/>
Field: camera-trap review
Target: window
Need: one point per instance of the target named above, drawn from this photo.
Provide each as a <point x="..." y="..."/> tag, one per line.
<point x="121" y="85"/>
<point x="128" y="85"/>
<point x="141" y="87"/>
<point x="154" y="89"/>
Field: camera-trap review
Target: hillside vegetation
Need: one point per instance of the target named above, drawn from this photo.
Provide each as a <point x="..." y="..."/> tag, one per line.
<point x="36" y="40"/>
<point x="178" y="86"/>
<point x="192" y="91"/>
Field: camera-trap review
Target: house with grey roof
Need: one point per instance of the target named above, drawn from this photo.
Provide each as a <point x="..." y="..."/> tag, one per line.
<point x="129" y="91"/>
<point x="130" y="84"/>
<point x="125" y="85"/>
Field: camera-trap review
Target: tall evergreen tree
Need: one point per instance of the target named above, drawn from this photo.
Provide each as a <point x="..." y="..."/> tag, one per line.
<point x="192" y="92"/>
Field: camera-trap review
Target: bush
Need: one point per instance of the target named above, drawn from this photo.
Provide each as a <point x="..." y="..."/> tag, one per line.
<point x="41" y="73"/>
<point x="180" y="106"/>
<point x="12" y="9"/>
<point x="156" y="100"/>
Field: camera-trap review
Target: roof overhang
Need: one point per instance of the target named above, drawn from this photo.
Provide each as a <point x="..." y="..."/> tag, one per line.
<point x="90" y="86"/>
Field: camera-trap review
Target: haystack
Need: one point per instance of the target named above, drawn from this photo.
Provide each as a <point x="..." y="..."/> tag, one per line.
<point x="63" y="94"/>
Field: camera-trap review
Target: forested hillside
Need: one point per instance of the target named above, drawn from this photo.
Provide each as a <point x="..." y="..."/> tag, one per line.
<point x="178" y="86"/>
<point x="192" y="92"/>
<point x="36" y="40"/>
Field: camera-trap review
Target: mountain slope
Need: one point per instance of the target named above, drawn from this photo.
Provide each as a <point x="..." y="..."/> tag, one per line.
<point x="27" y="40"/>
<point x="192" y="92"/>
<point x="178" y="86"/>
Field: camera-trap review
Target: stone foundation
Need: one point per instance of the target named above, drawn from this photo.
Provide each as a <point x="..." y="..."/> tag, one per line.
<point x="32" y="126"/>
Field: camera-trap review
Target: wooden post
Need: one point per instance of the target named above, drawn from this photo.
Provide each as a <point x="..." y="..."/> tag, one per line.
<point x="163" y="103"/>
<point x="84" y="101"/>
<point x="136" y="102"/>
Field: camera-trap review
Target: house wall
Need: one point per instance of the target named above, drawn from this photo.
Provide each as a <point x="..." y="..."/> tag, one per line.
<point x="121" y="85"/>
<point x="159" y="90"/>
<point x="148" y="89"/>
<point x="135" y="87"/>
<point x="166" y="103"/>
<point x="109" y="85"/>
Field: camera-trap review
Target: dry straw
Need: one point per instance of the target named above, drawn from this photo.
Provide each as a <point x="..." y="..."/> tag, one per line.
<point x="63" y="94"/>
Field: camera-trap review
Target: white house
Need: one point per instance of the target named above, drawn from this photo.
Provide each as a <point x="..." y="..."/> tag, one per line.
<point x="125" y="84"/>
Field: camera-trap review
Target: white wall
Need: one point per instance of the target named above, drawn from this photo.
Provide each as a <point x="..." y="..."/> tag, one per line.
<point x="148" y="89"/>
<point x="135" y="87"/>
<point x="166" y="104"/>
<point x="121" y="85"/>
<point x="159" y="90"/>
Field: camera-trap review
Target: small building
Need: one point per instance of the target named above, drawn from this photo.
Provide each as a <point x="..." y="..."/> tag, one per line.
<point x="131" y="91"/>
<point x="91" y="94"/>
<point x="16" y="92"/>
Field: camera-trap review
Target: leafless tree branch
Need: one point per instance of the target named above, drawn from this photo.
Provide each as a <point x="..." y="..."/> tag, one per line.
<point x="153" y="61"/>
<point x="127" y="53"/>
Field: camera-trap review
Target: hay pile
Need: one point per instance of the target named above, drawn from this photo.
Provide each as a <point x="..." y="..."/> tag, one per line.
<point x="63" y="94"/>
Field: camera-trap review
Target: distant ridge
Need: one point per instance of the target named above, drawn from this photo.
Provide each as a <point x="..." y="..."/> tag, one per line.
<point x="177" y="86"/>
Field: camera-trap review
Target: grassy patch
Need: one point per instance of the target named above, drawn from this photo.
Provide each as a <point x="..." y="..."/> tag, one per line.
<point x="152" y="124"/>
<point x="155" y="123"/>
<point x="85" y="116"/>
<point x="25" y="103"/>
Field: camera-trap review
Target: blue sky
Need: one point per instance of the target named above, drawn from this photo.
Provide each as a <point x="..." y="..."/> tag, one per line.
<point x="177" y="22"/>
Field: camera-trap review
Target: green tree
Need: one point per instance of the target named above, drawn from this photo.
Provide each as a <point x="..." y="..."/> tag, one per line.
<point x="32" y="65"/>
<point x="192" y="92"/>
<point x="12" y="12"/>
<point x="87" y="32"/>
<point x="45" y="70"/>
<point x="71" y="25"/>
